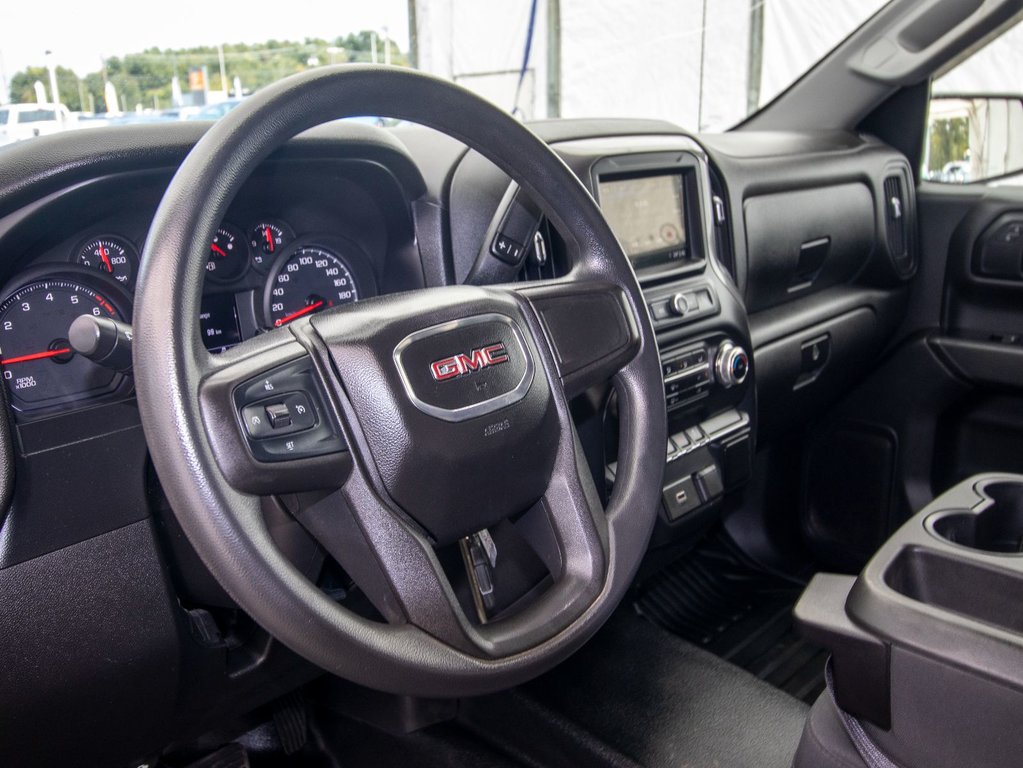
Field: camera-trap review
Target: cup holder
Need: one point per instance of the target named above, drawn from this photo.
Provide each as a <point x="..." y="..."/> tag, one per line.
<point x="996" y="525"/>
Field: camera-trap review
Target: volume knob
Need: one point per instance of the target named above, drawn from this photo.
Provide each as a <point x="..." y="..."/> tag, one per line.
<point x="731" y="365"/>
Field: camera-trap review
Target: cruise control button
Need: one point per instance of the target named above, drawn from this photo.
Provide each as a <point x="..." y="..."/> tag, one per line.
<point x="279" y="415"/>
<point x="303" y="415"/>
<point x="257" y="424"/>
<point x="304" y="432"/>
<point x="282" y="414"/>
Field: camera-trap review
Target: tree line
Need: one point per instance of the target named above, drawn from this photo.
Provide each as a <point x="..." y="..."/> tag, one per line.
<point x="145" y="78"/>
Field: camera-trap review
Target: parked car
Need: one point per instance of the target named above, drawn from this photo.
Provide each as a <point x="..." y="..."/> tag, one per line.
<point x="27" y="121"/>
<point x="214" y="111"/>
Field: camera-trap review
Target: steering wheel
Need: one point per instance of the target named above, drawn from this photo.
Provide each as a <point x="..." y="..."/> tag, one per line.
<point x="431" y="415"/>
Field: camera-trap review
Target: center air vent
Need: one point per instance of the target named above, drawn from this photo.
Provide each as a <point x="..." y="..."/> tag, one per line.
<point x="896" y="220"/>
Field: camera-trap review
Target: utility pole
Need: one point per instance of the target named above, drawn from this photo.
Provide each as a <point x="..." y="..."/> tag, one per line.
<point x="413" y="36"/>
<point x="54" y="93"/>
<point x="223" y="69"/>
<point x="703" y="60"/>
<point x="553" y="58"/>
<point x="4" y="95"/>
<point x="756" y="55"/>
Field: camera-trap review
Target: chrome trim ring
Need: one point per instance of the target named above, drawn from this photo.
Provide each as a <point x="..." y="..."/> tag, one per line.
<point x="476" y="409"/>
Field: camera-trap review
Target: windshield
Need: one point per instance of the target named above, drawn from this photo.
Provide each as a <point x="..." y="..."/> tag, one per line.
<point x="703" y="64"/>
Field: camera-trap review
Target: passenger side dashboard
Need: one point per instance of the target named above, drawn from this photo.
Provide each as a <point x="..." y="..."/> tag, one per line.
<point x="800" y="248"/>
<point x="825" y="244"/>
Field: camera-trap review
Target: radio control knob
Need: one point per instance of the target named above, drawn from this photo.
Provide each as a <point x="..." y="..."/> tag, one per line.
<point x="731" y="365"/>
<point x="680" y="304"/>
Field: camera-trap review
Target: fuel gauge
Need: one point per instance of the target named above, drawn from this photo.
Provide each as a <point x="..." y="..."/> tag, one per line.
<point x="228" y="258"/>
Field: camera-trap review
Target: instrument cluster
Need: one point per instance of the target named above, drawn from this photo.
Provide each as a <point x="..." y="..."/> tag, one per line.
<point x="259" y="275"/>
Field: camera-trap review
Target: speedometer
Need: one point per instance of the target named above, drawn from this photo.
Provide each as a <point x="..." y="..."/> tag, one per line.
<point x="309" y="280"/>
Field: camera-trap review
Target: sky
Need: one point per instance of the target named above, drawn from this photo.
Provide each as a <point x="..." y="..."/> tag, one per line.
<point x="81" y="34"/>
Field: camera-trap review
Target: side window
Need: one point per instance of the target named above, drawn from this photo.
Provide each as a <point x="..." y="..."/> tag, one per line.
<point x="975" y="121"/>
<point x="37" y="116"/>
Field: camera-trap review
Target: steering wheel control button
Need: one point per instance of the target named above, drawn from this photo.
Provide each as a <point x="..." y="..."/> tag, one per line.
<point x="281" y="411"/>
<point x="506" y="249"/>
<point x="465" y="368"/>
<point x="278" y="415"/>
<point x="256" y="423"/>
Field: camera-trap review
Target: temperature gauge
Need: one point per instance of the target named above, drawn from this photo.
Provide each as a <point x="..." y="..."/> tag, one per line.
<point x="267" y="239"/>
<point x="111" y="255"/>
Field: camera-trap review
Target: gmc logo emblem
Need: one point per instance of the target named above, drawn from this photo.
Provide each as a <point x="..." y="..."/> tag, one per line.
<point x="461" y="364"/>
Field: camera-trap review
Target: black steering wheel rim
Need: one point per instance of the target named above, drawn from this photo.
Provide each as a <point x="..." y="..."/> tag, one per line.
<point x="225" y="525"/>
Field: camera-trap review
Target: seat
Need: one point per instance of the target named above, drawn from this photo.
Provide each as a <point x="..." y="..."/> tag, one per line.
<point x="824" y="743"/>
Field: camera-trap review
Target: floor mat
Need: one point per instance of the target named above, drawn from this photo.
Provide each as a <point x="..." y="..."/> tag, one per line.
<point x="719" y="601"/>
<point x="653" y="699"/>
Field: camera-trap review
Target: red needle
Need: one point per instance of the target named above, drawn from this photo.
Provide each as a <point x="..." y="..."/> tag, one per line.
<point x="218" y="249"/>
<point x="106" y="258"/>
<point x="37" y="356"/>
<point x="304" y="311"/>
<point x="269" y="239"/>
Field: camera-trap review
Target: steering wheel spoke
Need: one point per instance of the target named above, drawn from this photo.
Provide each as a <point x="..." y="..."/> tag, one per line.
<point x="590" y="328"/>
<point x="269" y="421"/>
<point x="397" y="567"/>
<point x="392" y="563"/>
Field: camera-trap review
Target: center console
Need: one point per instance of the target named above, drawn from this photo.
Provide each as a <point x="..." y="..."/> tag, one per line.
<point x="655" y="192"/>
<point x="659" y="204"/>
<point x="927" y="642"/>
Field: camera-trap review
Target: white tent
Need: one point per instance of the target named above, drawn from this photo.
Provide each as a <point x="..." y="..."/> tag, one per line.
<point x="687" y="61"/>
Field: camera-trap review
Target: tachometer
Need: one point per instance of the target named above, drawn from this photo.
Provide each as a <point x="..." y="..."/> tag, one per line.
<point x="309" y="280"/>
<point x="38" y="363"/>
<point x="111" y="255"/>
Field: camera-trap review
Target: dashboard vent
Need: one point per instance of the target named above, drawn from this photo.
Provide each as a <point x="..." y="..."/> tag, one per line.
<point x="544" y="255"/>
<point x="896" y="213"/>
<point x="722" y="231"/>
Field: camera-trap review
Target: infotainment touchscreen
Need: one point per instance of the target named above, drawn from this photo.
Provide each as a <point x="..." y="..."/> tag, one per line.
<point x="647" y="214"/>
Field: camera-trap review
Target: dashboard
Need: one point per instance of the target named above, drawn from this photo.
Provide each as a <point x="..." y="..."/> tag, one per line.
<point x="294" y="243"/>
<point x="764" y="300"/>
